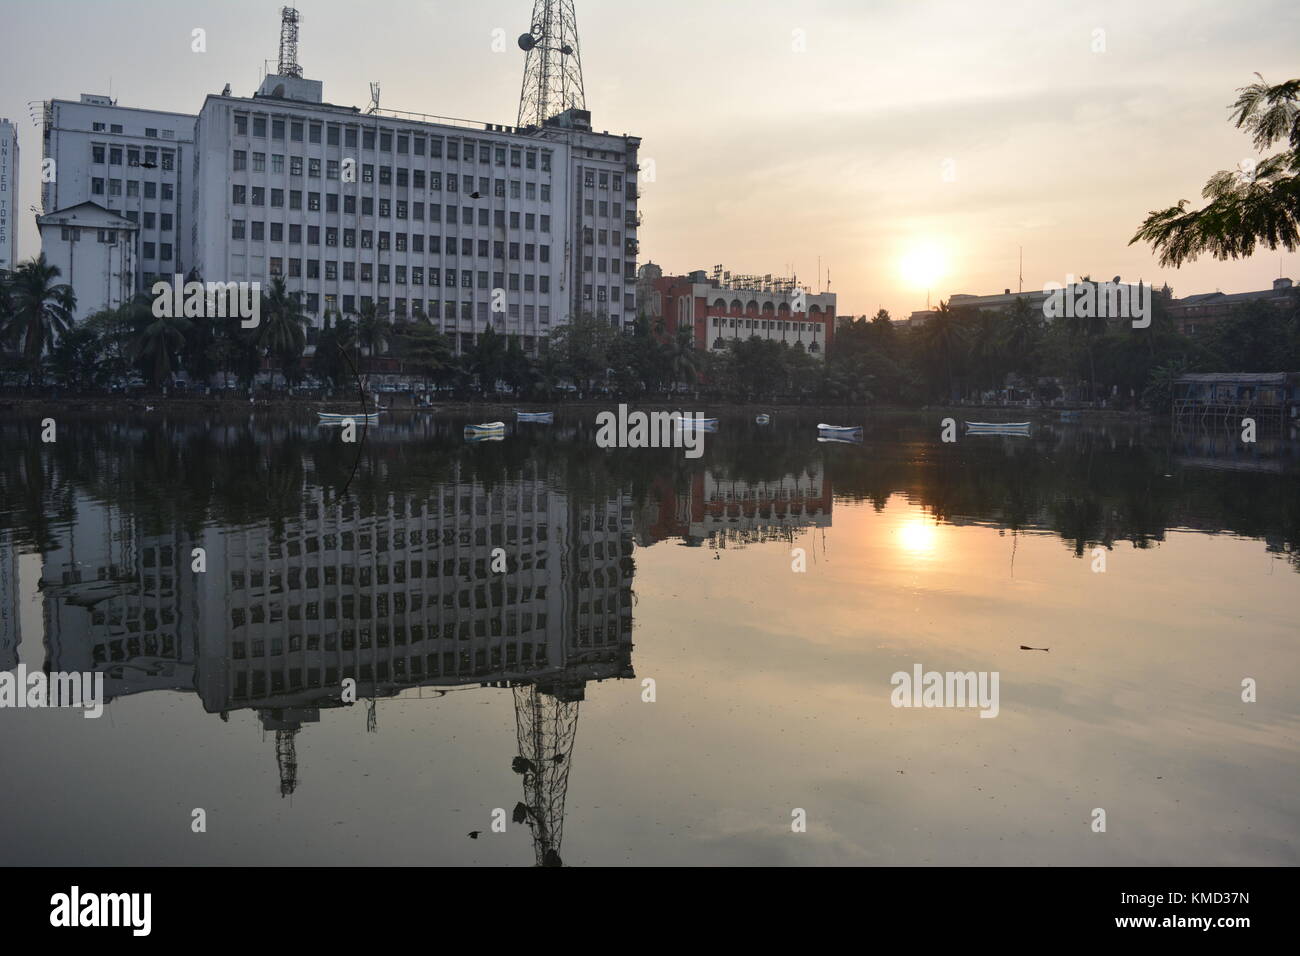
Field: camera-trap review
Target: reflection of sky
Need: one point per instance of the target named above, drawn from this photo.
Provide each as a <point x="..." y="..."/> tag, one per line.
<point x="772" y="693"/>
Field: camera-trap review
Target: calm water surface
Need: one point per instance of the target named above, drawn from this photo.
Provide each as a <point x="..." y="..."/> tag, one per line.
<point x="771" y="686"/>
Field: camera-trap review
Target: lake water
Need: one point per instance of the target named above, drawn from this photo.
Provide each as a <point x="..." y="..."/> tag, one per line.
<point x="694" y="658"/>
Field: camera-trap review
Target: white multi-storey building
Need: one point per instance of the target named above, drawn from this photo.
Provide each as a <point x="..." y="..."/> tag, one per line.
<point x="8" y="195"/>
<point x="131" y="162"/>
<point x="467" y="224"/>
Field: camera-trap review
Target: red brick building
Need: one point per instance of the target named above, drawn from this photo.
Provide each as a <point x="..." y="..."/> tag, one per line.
<point x="717" y="309"/>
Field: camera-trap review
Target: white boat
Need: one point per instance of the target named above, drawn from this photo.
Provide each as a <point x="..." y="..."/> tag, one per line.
<point x="840" y="431"/>
<point x="763" y="420"/>
<point x="486" y="430"/>
<point x="493" y="436"/>
<point x="338" y="418"/>
<point x="544" y="418"/>
<point x="854" y="440"/>
<point x="997" y="428"/>
<point x="690" y="421"/>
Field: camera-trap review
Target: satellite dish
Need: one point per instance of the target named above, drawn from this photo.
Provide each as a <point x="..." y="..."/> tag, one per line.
<point x="566" y="49"/>
<point x="526" y="42"/>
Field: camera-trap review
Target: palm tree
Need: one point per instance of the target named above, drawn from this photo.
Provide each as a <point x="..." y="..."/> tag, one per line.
<point x="684" y="360"/>
<point x="373" y="328"/>
<point x="282" y="333"/>
<point x="157" y="345"/>
<point x="939" y="336"/>
<point x="39" y="310"/>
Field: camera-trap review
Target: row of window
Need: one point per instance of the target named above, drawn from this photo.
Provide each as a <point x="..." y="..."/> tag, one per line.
<point x="257" y="231"/>
<point x="469" y="279"/>
<point x="113" y="187"/>
<point x="150" y="132"/>
<point x="101" y="154"/>
<point x="400" y="176"/>
<point x="242" y="195"/>
<point x="434" y="309"/>
<point x="771" y="324"/>
<point x="405" y="142"/>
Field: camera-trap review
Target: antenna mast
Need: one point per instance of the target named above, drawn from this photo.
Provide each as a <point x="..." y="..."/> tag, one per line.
<point x="553" y="67"/>
<point x="289" y="43"/>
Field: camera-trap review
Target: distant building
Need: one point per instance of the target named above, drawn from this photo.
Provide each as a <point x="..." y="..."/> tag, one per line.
<point x="718" y="309"/>
<point x="95" y="252"/>
<point x="1223" y="398"/>
<point x="1194" y="313"/>
<point x="9" y="208"/>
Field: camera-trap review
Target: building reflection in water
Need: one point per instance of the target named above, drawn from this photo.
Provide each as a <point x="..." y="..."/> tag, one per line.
<point x="409" y="595"/>
<point x="722" y="511"/>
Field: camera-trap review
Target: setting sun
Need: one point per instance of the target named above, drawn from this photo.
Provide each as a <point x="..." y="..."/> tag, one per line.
<point x="923" y="264"/>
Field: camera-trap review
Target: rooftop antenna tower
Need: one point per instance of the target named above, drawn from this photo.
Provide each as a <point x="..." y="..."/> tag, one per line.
<point x="553" y="67"/>
<point x="289" y="43"/>
<point x="374" y="98"/>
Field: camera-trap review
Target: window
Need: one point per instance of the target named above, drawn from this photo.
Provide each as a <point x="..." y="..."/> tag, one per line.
<point x="165" y="222"/>
<point x="313" y="169"/>
<point x="168" y="162"/>
<point x="259" y="162"/>
<point x="241" y="124"/>
<point x="97" y="187"/>
<point x="237" y="194"/>
<point x="164" y="252"/>
<point x="295" y="165"/>
<point x="240" y="160"/>
<point x="277" y="162"/>
<point x="97" y="154"/>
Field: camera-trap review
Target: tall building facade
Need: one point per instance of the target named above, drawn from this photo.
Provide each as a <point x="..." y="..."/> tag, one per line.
<point x="467" y="225"/>
<point x="8" y="195"/>
<point x="132" y="162"/>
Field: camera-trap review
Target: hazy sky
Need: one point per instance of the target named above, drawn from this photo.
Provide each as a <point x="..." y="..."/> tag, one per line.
<point x="779" y="131"/>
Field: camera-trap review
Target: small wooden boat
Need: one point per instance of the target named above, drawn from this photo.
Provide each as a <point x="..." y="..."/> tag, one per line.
<point x="543" y="418"/>
<point x="763" y="420"/>
<point x="486" y="430"/>
<point x="848" y="432"/>
<point x="338" y="418"/>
